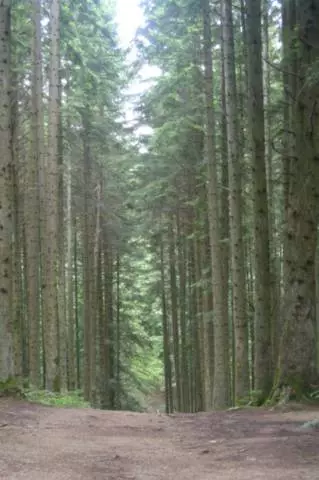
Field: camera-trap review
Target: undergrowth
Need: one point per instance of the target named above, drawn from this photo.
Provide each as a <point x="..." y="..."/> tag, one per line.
<point x="69" y="399"/>
<point x="16" y="388"/>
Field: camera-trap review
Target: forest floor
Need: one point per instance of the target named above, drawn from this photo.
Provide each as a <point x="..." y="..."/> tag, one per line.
<point x="46" y="443"/>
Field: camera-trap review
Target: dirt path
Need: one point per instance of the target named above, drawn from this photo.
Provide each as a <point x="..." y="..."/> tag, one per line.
<point x="43" y="443"/>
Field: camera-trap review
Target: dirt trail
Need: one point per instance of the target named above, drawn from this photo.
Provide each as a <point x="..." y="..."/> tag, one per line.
<point x="43" y="443"/>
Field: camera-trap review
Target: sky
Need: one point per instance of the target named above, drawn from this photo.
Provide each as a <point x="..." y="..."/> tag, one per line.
<point x="129" y="18"/>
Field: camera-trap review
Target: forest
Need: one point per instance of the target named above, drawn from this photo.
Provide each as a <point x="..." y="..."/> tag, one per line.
<point x="175" y="254"/>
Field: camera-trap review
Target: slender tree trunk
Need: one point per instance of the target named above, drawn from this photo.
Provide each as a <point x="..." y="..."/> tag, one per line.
<point x="118" y="332"/>
<point x="224" y="211"/>
<point x="96" y="293"/>
<point x="87" y="267"/>
<point x="221" y="361"/>
<point x="102" y="363"/>
<point x="17" y="290"/>
<point x="199" y="326"/>
<point x="32" y="205"/>
<point x="273" y="222"/>
<point x="236" y="233"/>
<point x="263" y="359"/>
<point x="251" y="312"/>
<point x="174" y="307"/>
<point x="111" y="329"/>
<point x="76" y="309"/>
<point x="182" y="312"/>
<point x="105" y="325"/>
<point x="6" y="338"/>
<point x="62" y="308"/>
<point x="317" y="305"/>
<point x="166" y="342"/>
<point x="69" y="280"/>
<point x="207" y="349"/>
<point x="289" y="145"/>
<point x="50" y="299"/>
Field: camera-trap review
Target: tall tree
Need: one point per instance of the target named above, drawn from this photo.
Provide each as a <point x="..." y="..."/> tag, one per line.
<point x="221" y="359"/>
<point x="239" y="303"/>
<point x="297" y="366"/>
<point x="6" y="339"/>
<point x="262" y="334"/>
<point x="50" y="299"/>
<point x="31" y="204"/>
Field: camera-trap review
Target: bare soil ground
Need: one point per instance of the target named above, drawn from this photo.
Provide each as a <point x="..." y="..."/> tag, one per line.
<point x="44" y="443"/>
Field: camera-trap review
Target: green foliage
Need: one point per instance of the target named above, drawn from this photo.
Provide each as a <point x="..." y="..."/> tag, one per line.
<point x="256" y="398"/>
<point x="11" y="388"/>
<point x="315" y="395"/>
<point x="70" y="399"/>
<point x="141" y="331"/>
<point x="311" y="425"/>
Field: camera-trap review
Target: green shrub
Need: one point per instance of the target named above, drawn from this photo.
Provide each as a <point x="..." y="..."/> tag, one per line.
<point x="69" y="399"/>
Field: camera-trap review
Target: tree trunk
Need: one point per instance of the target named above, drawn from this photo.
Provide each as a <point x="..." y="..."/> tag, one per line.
<point x="17" y="290"/>
<point x="297" y="363"/>
<point x="87" y="254"/>
<point x="263" y="359"/>
<point x="79" y="381"/>
<point x="96" y="294"/>
<point x="32" y="206"/>
<point x="174" y="308"/>
<point x="221" y="358"/>
<point x="239" y="303"/>
<point x="118" y="332"/>
<point x="166" y="342"/>
<point x="182" y="312"/>
<point x="207" y="336"/>
<point x="224" y="213"/>
<point x="69" y="280"/>
<point x="50" y="298"/>
<point x="6" y="339"/>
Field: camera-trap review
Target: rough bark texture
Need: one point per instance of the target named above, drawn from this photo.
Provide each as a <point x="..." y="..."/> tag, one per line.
<point x="207" y="334"/>
<point x="17" y="290"/>
<point x="263" y="370"/>
<point x="174" y="308"/>
<point x="166" y="345"/>
<point x="88" y="252"/>
<point x="235" y="211"/>
<point x="274" y="222"/>
<point x="224" y="210"/>
<point x="31" y="204"/>
<point x="221" y="362"/>
<point x="50" y="300"/>
<point x="181" y="258"/>
<point x="297" y="366"/>
<point x="6" y="339"/>
<point x="69" y="281"/>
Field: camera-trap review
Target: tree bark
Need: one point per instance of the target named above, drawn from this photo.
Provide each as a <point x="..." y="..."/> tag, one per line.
<point x="297" y="362"/>
<point x="50" y="293"/>
<point x="174" y="308"/>
<point x="239" y="302"/>
<point x="263" y="358"/>
<point x="221" y="397"/>
<point x="6" y="338"/>
<point x="32" y="205"/>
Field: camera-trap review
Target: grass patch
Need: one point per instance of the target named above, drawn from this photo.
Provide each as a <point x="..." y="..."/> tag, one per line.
<point x="11" y="388"/>
<point x="70" y="399"/>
